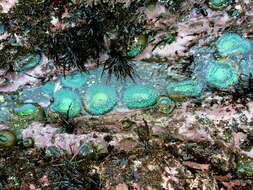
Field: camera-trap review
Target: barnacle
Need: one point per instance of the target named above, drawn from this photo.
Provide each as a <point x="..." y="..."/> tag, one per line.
<point x="140" y="96"/>
<point x="76" y="80"/>
<point x="7" y="138"/>
<point x="66" y="102"/>
<point x="26" y="62"/>
<point x="185" y="88"/>
<point x="220" y="74"/>
<point x="100" y="99"/>
<point x="231" y="43"/>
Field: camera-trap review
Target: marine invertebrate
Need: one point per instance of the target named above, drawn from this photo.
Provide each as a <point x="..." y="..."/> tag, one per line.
<point x="165" y="105"/>
<point x="66" y="102"/>
<point x="28" y="112"/>
<point x="140" y="96"/>
<point x="26" y="62"/>
<point x="7" y="138"/>
<point x="76" y="80"/>
<point x="100" y="99"/>
<point x="218" y="4"/>
<point x="185" y="88"/>
<point x="246" y="67"/>
<point x="220" y="74"/>
<point x="231" y="43"/>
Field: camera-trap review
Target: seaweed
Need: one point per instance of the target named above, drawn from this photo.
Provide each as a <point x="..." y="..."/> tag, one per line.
<point x="84" y="34"/>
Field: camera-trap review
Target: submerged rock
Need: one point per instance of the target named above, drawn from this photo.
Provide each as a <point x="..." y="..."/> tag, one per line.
<point x="100" y="99"/>
<point x="140" y="96"/>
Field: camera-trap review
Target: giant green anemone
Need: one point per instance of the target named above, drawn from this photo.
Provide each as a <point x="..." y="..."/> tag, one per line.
<point x="220" y="74"/>
<point x="218" y="4"/>
<point x="76" y="80"/>
<point x="26" y="62"/>
<point x="100" y="99"/>
<point x="66" y="102"/>
<point x="140" y="96"/>
<point x="231" y="43"/>
<point x="185" y="88"/>
<point x="7" y="138"/>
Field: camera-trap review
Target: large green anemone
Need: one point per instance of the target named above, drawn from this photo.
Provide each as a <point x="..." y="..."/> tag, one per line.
<point x="185" y="88"/>
<point x="100" y="99"/>
<point x="28" y="112"/>
<point x="231" y="43"/>
<point x="66" y="102"/>
<point x="218" y="4"/>
<point x="220" y="74"/>
<point x="26" y="62"/>
<point x="76" y="80"/>
<point x="140" y="96"/>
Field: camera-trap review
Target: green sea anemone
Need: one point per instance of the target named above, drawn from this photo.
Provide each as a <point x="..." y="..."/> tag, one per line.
<point x="100" y="99"/>
<point x="185" y="88"/>
<point x="140" y="96"/>
<point x="231" y="43"/>
<point x="76" y="80"/>
<point x="26" y="62"/>
<point x="220" y="74"/>
<point x="218" y="4"/>
<point x="7" y="138"/>
<point x="66" y="102"/>
<point x="28" y="112"/>
<point x="48" y="88"/>
<point x="165" y="105"/>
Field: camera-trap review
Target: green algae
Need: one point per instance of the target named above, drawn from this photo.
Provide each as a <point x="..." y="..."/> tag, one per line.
<point x="66" y="102"/>
<point x="220" y="74"/>
<point x="186" y="88"/>
<point x="140" y="96"/>
<point x="100" y="99"/>
<point x="77" y="80"/>
<point x="231" y="43"/>
<point x="26" y="62"/>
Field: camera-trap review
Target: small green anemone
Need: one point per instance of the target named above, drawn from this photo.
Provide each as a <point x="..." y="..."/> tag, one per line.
<point x="100" y="99"/>
<point x="7" y="138"/>
<point x="231" y="43"/>
<point x="140" y="96"/>
<point x="220" y="74"/>
<point x="218" y="4"/>
<point x="165" y="105"/>
<point x="26" y="62"/>
<point x="66" y="102"/>
<point x="185" y="88"/>
<point x="76" y="80"/>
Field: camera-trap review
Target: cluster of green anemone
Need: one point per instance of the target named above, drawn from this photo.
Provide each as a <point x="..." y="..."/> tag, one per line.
<point x="77" y="80"/>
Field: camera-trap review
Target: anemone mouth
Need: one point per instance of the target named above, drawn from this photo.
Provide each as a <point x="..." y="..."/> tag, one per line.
<point x="100" y="99"/>
<point x="221" y="74"/>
